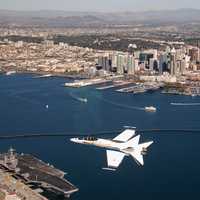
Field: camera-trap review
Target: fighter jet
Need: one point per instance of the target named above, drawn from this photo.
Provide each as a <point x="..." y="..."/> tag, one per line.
<point x="125" y="144"/>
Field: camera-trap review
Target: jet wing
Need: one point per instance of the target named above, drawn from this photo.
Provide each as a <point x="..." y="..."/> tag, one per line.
<point x="138" y="157"/>
<point x="125" y="135"/>
<point x="114" y="158"/>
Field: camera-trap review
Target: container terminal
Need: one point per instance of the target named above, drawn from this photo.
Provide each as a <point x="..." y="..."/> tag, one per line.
<point x="30" y="178"/>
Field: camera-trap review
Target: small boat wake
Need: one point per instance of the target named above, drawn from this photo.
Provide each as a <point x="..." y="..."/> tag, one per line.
<point x="84" y="100"/>
<point x="122" y="105"/>
<point x="185" y="104"/>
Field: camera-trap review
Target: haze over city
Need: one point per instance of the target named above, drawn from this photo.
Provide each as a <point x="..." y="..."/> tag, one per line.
<point x="96" y="5"/>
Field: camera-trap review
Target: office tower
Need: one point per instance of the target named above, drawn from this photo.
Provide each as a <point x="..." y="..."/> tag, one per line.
<point x="151" y="64"/>
<point x="130" y="64"/>
<point x="163" y="63"/>
<point x="183" y="66"/>
<point x="173" y="62"/>
<point x="145" y="58"/>
<point x="120" y="63"/>
<point x="194" y="54"/>
<point x="104" y="62"/>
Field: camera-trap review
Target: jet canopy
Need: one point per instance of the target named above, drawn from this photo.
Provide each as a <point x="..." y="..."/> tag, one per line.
<point x="90" y="138"/>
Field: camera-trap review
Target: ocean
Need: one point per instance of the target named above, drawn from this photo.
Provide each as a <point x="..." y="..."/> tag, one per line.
<point x="171" y="169"/>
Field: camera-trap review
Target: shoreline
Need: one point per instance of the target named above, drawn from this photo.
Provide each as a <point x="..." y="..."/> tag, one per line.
<point x="80" y="77"/>
<point x="3" y="71"/>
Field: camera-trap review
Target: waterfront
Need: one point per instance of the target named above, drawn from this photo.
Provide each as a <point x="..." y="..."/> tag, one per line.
<point x="171" y="168"/>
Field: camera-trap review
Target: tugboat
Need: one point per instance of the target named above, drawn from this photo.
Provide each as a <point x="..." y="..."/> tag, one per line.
<point x="150" y="109"/>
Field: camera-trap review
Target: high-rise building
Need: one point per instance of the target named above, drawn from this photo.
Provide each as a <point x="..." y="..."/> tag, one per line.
<point x="105" y="63"/>
<point x="130" y="64"/>
<point x="163" y="63"/>
<point x="145" y="58"/>
<point x="173" y="62"/>
<point x="120" y="63"/>
<point x="151" y="64"/>
<point x="194" y="54"/>
<point x="136" y="64"/>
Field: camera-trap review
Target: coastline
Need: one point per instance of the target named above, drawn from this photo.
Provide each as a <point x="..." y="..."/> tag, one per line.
<point x="75" y="76"/>
<point x="42" y="74"/>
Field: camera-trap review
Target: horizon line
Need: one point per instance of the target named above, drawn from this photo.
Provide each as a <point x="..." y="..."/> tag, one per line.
<point x="99" y="11"/>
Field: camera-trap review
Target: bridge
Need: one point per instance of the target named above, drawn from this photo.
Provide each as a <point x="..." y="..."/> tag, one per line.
<point x="101" y="133"/>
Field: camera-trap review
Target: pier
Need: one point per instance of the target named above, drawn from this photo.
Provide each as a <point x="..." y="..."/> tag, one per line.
<point x="114" y="85"/>
<point x="87" y="82"/>
<point x="141" y="88"/>
<point x="133" y="89"/>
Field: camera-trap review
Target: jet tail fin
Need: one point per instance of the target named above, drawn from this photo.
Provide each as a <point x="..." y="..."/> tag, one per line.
<point x="132" y="142"/>
<point x="145" y="145"/>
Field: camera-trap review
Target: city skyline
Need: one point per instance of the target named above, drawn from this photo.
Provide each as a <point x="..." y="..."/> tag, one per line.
<point x="94" y="5"/>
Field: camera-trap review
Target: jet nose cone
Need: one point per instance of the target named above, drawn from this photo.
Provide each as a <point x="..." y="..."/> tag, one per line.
<point x="74" y="140"/>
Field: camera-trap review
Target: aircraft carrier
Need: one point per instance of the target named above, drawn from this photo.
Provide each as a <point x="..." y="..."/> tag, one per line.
<point x="42" y="179"/>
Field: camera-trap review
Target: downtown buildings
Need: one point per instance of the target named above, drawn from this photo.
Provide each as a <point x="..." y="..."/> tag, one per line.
<point x="171" y="61"/>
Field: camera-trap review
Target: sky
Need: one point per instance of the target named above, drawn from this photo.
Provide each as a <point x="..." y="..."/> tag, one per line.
<point x="98" y="5"/>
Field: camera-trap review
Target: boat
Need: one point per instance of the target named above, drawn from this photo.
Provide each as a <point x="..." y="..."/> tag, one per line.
<point x="44" y="76"/>
<point x="150" y="109"/>
<point x="10" y="73"/>
<point x="83" y="100"/>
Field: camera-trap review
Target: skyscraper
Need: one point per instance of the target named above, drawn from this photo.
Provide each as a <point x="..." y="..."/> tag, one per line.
<point x="130" y="64"/>
<point x="173" y="62"/>
<point x="120" y="63"/>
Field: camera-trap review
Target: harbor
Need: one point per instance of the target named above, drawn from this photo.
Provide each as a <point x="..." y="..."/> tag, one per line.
<point x="123" y="86"/>
<point x="105" y="111"/>
<point x="87" y="82"/>
<point x="141" y="88"/>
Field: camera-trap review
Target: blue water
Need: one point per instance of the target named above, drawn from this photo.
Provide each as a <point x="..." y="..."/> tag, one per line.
<point x="172" y="165"/>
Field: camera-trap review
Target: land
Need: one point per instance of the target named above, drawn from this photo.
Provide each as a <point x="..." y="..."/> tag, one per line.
<point x="94" y="45"/>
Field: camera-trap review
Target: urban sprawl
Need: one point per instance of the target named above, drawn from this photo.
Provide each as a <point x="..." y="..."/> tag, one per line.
<point x="175" y="66"/>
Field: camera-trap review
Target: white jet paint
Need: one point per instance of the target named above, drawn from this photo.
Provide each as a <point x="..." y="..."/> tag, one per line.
<point x="122" y="145"/>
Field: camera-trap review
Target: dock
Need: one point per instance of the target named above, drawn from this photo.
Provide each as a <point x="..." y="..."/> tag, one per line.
<point x="87" y="82"/>
<point x="114" y="85"/>
<point x="133" y="89"/>
<point x="140" y="88"/>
